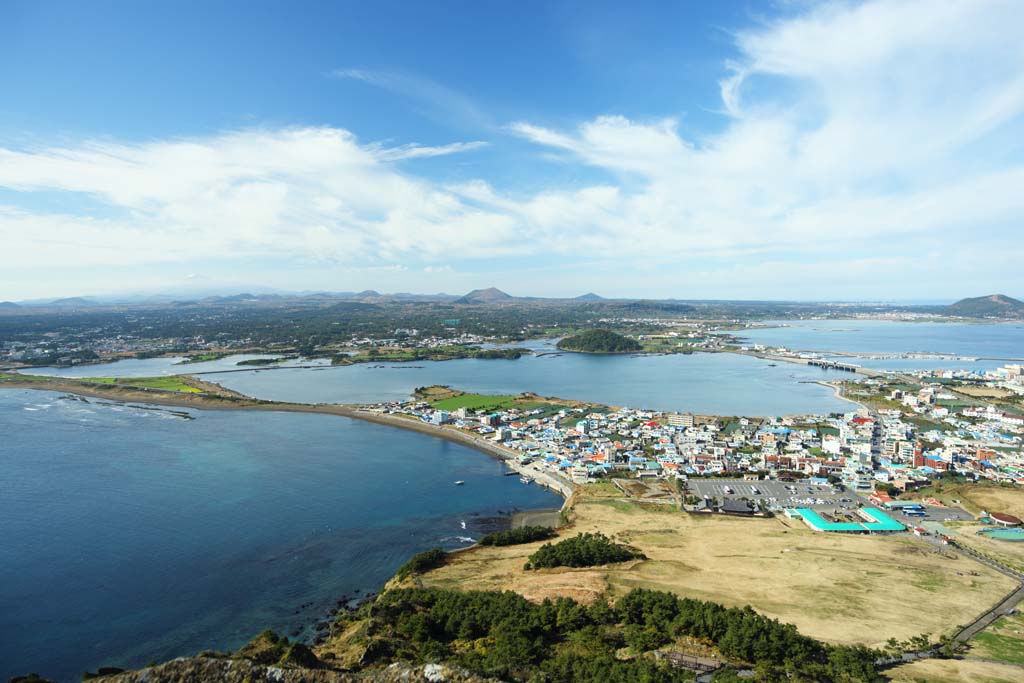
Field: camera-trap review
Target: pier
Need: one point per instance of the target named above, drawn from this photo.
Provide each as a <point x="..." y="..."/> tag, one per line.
<point x="832" y="365"/>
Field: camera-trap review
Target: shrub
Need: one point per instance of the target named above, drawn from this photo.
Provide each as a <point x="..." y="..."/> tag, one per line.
<point x="526" y="534"/>
<point x="584" y="550"/>
<point x="421" y="562"/>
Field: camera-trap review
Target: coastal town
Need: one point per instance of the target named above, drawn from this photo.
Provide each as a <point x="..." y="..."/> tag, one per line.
<point x="867" y="456"/>
<point x="901" y="447"/>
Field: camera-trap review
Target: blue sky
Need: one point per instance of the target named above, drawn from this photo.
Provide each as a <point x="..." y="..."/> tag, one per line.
<point x="679" y="149"/>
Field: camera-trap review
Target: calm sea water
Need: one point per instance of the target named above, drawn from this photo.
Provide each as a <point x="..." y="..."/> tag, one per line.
<point x="702" y="383"/>
<point x="725" y="384"/>
<point x="1005" y="340"/>
<point x="129" y="534"/>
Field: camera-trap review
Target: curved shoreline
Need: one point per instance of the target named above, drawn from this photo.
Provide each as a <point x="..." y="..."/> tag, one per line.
<point x="239" y="402"/>
<point x="837" y="389"/>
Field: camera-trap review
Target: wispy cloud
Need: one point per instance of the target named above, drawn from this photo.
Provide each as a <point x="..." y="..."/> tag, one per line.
<point x="421" y="152"/>
<point x="441" y="103"/>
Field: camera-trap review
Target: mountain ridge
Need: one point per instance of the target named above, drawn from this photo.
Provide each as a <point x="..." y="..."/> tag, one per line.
<point x="491" y="295"/>
<point x="988" y="306"/>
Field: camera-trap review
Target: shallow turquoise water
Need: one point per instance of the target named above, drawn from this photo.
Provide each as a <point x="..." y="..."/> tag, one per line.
<point x="131" y="534"/>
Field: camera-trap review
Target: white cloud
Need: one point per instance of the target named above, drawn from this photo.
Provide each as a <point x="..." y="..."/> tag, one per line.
<point x="420" y="151"/>
<point x="876" y="127"/>
<point x="882" y="120"/>
<point x="306" y="192"/>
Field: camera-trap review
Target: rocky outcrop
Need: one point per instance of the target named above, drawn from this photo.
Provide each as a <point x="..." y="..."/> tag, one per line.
<point x="210" y="670"/>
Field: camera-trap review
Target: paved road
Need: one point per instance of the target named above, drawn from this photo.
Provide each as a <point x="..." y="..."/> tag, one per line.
<point x="985" y="620"/>
<point x="1009" y="602"/>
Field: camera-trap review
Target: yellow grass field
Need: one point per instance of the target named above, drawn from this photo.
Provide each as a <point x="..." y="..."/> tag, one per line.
<point x="839" y="588"/>
<point x="955" y="671"/>
<point x="984" y="392"/>
<point x="1010" y="554"/>
<point x="977" y="497"/>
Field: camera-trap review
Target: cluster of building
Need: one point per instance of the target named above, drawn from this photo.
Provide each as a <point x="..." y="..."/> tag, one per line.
<point x="855" y="450"/>
<point x="412" y="338"/>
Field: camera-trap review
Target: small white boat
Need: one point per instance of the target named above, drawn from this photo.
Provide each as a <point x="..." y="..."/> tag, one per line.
<point x="525" y="480"/>
<point x="459" y="482"/>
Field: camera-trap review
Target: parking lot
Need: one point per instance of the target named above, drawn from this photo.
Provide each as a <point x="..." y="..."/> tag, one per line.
<point x="777" y="495"/>
<point x="933" y="513"/>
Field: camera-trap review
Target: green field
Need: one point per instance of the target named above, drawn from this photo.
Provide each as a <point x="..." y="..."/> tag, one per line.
<point x="477" y="402"/>
<point x="174" y="383"/>
<point x="5" y="376"/>
<point x="162" y="383"/>
<point x="1003" y="641"/>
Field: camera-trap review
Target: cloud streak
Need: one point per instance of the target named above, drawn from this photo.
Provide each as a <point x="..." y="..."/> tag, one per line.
<point x="444" y="104"/>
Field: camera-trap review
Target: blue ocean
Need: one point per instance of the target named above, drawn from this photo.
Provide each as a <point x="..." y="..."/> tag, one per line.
<point x="129" y="534"/>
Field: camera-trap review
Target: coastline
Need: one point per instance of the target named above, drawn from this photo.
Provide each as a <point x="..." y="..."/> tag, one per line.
<point x="236" y="401"/>
<point x="837" y="389"/>
<point x="564" y="488"/>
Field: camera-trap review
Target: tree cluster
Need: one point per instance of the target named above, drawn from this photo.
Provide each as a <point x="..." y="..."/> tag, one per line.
<point x="599" y="341"/>
<point x="421" y="562"/>
<point x="524" y="534"/>
<point x="502" y="634"/>
<point x="584" y="550"/>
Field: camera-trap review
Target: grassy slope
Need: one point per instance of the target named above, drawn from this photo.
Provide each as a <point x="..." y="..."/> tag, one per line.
<point x="847" y="589"/>
<point x="446" y="398"/>
<point x="173" y="383"/>
<point x="978" y="497"/>
<point x="1004" y="640"/>
<point x="954" y="671"/>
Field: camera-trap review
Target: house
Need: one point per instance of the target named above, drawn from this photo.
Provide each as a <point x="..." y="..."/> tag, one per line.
<point x="880" y="498"/>
<point x="731" y="506"/>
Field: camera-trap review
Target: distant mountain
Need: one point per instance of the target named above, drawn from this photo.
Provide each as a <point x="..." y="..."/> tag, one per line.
<point x="71" y="302"/>
<point x="9" y="304"/>
<point x="991" y="306"/>
<point x="367" y="293"/>
<point x="590" y="296"/>
<point x="244" y="297"/>
<point x="491" y="295"/>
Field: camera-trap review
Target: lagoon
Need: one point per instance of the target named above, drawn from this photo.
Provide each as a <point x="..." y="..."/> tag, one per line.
<point x="707" y="383"/>
<point x="717" y="383"/>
